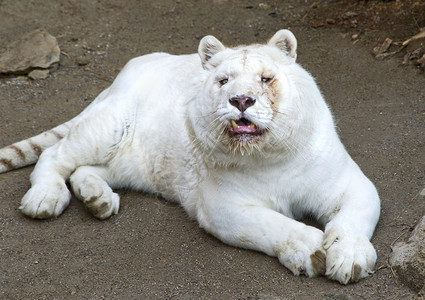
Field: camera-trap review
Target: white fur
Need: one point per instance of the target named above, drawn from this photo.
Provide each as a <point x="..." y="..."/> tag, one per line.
<point x="161" y="128"/>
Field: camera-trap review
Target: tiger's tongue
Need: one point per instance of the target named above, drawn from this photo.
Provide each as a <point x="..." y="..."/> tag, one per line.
<point x="242" y="127"/>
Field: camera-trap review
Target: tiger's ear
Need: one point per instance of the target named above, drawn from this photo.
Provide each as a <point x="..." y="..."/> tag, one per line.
<point x="208" y="47"/>
<point x="285" y="41"/>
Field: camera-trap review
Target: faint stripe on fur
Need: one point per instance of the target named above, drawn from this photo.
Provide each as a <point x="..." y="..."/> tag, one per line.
<point x="56" y="134"/>
<point x="7" y="164"/>
<point x="18" y="152"/>
<point x="37" y="150"/>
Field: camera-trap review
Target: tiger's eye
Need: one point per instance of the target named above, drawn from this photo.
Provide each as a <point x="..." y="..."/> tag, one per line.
<point x="223" y="81"/>
<point x="266" y="79"/>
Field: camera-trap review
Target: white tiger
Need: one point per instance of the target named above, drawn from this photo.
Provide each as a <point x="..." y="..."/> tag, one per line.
<point x="240" y="137"/>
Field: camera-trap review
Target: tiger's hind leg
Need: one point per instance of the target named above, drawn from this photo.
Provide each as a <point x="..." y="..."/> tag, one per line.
<point x="89" y="184"/>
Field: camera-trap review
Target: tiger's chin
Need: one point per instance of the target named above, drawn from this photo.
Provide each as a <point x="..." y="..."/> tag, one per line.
<point x="245" y="137"/>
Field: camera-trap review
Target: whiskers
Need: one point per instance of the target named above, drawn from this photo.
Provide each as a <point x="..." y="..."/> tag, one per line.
<point x="245" y="146"/>
<point x="289" y="131"/>
<point x="284" y="133"/>
<point x="208" y="135"/>
<point x="212" y="137"/>
<point x="206" y="115"/>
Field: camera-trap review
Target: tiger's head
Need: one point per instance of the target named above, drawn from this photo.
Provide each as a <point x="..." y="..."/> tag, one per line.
<point x="253" y="99"/>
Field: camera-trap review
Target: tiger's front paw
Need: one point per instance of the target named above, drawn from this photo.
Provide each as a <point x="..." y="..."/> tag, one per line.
<point x="98" y="197"/>
<point x="102" y="205"/>
<point x="348" y="258"/>
<point x="44" y="201"/>
<point x="304" y="255"/>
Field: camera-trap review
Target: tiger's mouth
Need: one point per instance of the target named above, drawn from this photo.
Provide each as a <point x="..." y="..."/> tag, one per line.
<point x="244" y="128"/>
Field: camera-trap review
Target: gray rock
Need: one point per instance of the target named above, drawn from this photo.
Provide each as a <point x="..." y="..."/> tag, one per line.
<point x="408" y="259"/>
<point x="38" y="74"/>
<point x="83" y="60"/>
<point x="37" y="49"/>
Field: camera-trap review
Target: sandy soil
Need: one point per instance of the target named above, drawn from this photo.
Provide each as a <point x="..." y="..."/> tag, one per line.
<point x="150" y="250"/>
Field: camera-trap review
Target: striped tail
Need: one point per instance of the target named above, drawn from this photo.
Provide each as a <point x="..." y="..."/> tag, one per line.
<point x="26" y="152"/>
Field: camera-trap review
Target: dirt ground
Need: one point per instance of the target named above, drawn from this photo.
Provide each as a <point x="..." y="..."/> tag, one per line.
<point x="151" y="250"/>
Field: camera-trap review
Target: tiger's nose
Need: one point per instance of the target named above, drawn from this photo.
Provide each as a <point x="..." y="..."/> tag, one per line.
<point x="242" y="102"/>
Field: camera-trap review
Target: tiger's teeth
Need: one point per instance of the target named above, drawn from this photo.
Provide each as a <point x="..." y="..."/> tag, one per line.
<point x="252" y="125"/>
<point x="234" y="125"/>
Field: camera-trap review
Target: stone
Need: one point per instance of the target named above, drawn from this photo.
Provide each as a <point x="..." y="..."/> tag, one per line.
<point x="83" y="60"/>
<point x="37" y="49"/>
<point x="408" y="259"/>
<point x="38" y="74"/>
